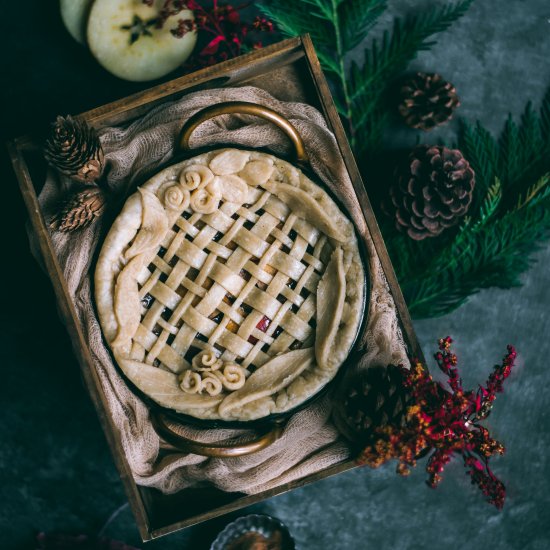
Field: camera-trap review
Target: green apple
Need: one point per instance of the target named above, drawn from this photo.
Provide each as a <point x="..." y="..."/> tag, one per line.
<point x="74" y="14"/>
<point x="124" y="38"/>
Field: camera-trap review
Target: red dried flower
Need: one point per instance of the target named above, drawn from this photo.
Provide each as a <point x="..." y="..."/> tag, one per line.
<point x="184" y="26"/>
<point x="262" y="24"/>
<point x="169" y="8"/>
<point x="222" y="32"/>
<point x="446" y="422"/>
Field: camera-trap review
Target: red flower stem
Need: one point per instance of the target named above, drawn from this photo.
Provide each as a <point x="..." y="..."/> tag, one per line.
<point x="217" y="30"/>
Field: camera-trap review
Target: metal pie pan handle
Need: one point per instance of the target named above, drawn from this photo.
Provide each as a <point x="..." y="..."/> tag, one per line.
<point x="244" y="108"/>
<point x="216" y="450"/>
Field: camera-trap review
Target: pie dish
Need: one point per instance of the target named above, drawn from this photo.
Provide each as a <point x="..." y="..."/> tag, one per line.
<point x="230" y="286"/>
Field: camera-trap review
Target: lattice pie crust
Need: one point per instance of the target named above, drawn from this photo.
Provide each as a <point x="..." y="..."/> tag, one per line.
<point x="230" y="286"/>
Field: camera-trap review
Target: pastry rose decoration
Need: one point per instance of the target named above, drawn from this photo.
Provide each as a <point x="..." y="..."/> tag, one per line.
<point x="176" y="198"/>
<point x="191" y="382"/>
<point x="206" y="200"/>
<point x="234" y="376"/>
<point x="209" y="185"/>
<point x="211" y="384"/>
<point x="210" y="374"/>
<point x="206" y="360"/>
<point x="196" y="176"/>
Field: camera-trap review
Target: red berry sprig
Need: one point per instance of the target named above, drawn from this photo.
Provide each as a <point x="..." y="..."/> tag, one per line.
<point x="222" y="34"/>
<point x="445" y="423"/>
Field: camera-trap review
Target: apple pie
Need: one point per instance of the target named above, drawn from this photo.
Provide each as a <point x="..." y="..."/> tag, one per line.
<point x="230" y="286"/>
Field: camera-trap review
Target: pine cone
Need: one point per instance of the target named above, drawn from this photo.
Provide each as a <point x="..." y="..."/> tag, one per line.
<point x="80" y="210"/>
<point x="427" y="101"/>
<point x="433" y="192"/>
<point x="376" y="399"/>
<point x="74" y="149"/>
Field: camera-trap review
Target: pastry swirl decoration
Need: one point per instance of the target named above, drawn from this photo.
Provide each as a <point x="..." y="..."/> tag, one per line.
<point x="196" y="176"/>
<point x="191" y="382"/>
<point x="233" y="377"/>
<point x="211" y="384"/>
<point x="206" y="360"/>
<point x="211" y="375"/>
<point x="176" y="198"/>
<point x="205" y="200"/>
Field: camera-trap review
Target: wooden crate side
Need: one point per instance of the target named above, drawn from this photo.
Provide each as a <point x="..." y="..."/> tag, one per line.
<point x="69" y="317"/>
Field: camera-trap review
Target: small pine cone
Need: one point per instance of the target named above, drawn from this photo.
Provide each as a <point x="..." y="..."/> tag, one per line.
<point x="432" y="192"/>
<point x="427" y="101"/>
<point x="80" y="210"/>
<point x="74" y="149"/>
<point x="376" y="399"/>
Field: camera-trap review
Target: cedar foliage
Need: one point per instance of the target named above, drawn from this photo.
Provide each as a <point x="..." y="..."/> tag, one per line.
<point x="508" y="221"/>
<point x="337" y="27"/>
<point x="510" y="213"/>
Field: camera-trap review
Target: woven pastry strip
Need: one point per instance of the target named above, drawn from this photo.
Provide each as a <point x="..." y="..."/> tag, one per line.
<point x="218" y="272"/>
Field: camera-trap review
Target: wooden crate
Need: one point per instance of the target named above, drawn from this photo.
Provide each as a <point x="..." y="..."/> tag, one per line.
<point x="292" y="60"/>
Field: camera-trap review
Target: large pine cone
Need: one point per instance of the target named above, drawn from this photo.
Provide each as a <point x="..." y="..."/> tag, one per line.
<point x="74" y="149"/>
<point x="427" y="101"/>
<point x="433" y="192"/>
<point x="376" y="399"/>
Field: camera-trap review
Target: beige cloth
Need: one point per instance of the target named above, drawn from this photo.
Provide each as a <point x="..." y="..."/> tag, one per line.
<point x="310" y="441"/>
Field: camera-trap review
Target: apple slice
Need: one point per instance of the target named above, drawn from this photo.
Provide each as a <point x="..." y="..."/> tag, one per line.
<point x="74" y="14"/>
<point x="124" y="37"/>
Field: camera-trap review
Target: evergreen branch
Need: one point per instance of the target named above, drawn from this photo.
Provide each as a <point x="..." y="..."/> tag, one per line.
<point x="535" y="194"/>
<point x="490" y="205"/>
<point x="294" y="18"/>
<point x="530" y="137"/>
<point x="509" y="158"/>
<point x="494" y="256"/>
<point x="323" y="8"/>
<point x="521" y="155"/>
<point x="481" y="151"/>
<point x="545" y="117"/>
<point x="383" y="61"/>
<point x="408" y="37"/>
<point x="358" y="18"/>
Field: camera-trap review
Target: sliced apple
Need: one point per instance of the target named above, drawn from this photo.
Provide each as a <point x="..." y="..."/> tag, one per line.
<point x="74" y="14"/>
<point x="124" y="38"/>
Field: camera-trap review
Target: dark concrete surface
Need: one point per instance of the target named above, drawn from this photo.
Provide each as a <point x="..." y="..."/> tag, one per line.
<point x="56" y="472"/>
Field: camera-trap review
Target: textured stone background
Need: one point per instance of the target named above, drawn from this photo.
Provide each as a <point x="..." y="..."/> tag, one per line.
<point x="56" y="472"/>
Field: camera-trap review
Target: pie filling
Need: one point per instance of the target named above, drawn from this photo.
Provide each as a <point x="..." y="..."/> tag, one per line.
<point x="230" y="286"/>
